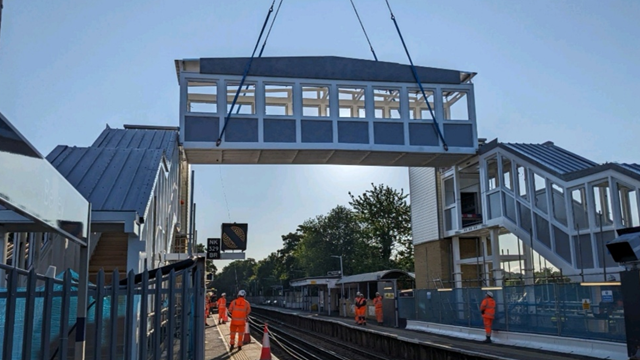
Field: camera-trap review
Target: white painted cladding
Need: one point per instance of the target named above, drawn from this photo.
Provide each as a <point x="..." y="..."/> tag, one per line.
<point x="424" y="204"/>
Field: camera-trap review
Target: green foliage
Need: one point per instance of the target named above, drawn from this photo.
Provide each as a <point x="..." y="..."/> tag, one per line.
<point x="211" y="267"/>
<point x="234" y="277"/>
<point x="385" y="217"/>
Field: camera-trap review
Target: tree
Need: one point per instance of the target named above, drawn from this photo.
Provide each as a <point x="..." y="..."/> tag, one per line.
<point x="288" y="266"/>
<point x="385" y="217"/>
<point x="210" y="266"/>
<point x="235" y="276"/>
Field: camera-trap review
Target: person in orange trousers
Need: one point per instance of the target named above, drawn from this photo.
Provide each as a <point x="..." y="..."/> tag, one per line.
<point x="361" y="309"/>
<point x="222" y="309"/>
<point x="240" y="310"/>
<point x="377" y="303"/>
<point x="488" y="311"/>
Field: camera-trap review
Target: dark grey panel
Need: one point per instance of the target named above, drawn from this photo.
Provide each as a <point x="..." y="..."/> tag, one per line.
<point x="328" y="67"/>
<point x="542" y="230"/>
<point x="584" y="251"/>
<point x="353" y="132"/>
<point x="563" y="246"/>
<point x="458" y="135"/>
<point x="423" y="135"/>
<point x="317" y="131"/>
<point x="279" y="131"/>
<point x="198" y="128"/>
<point x="388" y="133"/>
<point x="242" y="130"/>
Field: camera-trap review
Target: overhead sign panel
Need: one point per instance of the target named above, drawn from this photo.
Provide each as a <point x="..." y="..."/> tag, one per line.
<point x="234" y="236"/>
<point x="32" y="187"/>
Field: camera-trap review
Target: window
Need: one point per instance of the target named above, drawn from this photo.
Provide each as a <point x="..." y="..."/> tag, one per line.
<point x="386" y="103"/>
<point x="449" y="192"/>
<point x="278" y="99"/>
<point x="246" y="103"/>
<point x="523" y="183"/>
<point x="602" y="203"/>
<point x="455" y="105"/>
<point x="492" y="173"/>
<point x="628" y="206"/>
<point x="559" y="208"/>
<point x="315" y="101"/>
<point x="202" y="97"/>
<point x="506" y="173"/>
<point x="540" y="189"/>
<point x="418" y="108"/>
<point x="579" y="208"/>
<point x="351" y="102"/>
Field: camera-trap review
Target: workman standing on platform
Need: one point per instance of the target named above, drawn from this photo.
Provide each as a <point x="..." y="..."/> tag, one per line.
<point x="377" y="302"/>
<point x="240" y="310"/>
<point x="222" y="309"/>
<point x="488" y="311"/>
<point x="361" y="309"/>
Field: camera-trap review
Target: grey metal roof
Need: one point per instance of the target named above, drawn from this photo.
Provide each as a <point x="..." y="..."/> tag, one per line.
<point x="632" y="167"/>
<point x="553" y="157"/>
<point x="374" y="276"/>
<point x="118" y="171"/>
<point x="331" y="67"/>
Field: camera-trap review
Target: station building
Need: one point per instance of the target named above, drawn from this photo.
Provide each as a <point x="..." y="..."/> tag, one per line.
<point x="552" y="201"/>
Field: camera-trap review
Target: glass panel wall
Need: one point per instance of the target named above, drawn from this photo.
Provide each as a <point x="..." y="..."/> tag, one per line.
<point x="602" y="203"/>
<point x="386" y="103"/>
<point x="506" y="173"/>
<point x="315" y="101"/>
<point x="418" y="108"/>
<point x="559" y="207"/>
<point x="628" y="206"/>
<point x="492" y="173"/>
<point x="540" y="188"/>
<point x="351" y="102"/>
<point x="579" y="208"/>
<point x="523" y="182"/>
<point x="202" y="96"/>
<point x="246" y="103"/>
<point x="449" y="192"/>
<point x="278" y="99"/>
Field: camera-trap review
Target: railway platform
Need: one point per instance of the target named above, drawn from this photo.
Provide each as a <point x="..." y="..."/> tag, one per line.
<point x="421" y="342"/>
<point x="217" y="344"/>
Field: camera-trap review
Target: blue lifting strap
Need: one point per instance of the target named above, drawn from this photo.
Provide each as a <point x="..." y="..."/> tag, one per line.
<point x="244" y="75"/>
<point x="415" y="75"/>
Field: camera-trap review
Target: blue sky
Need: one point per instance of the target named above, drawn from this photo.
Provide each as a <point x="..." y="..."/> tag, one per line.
<point x="547" y="70"/>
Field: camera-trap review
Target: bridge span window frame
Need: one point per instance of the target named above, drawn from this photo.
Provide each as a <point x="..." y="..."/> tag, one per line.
<point x="203" y="105"/>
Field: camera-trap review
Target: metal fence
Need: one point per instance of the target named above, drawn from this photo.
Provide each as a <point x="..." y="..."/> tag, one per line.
<point x="571" y="310"/>
<point x="157" y="314"/>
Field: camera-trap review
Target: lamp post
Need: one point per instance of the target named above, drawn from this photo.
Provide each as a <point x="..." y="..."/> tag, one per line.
<point x="344" y="304"/>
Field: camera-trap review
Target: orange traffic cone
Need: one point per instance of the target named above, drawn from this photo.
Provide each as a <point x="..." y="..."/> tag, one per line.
<point x="247" y="334"/>
<point x="266" y="350"/>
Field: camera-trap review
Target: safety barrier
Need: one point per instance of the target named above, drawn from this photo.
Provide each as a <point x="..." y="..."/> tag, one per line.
<point x="570" y="309"/>
<point x="157" y="313"/>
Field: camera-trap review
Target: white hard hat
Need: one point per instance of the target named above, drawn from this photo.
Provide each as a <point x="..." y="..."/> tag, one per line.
<point x="489" y="293"/>
<point x="224" y="294"/>
<point x="242" y="293"/>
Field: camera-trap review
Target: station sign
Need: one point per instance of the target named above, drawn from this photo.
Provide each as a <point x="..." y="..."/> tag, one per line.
<point x="213" y="249"/>
<point x="234" y="236"/>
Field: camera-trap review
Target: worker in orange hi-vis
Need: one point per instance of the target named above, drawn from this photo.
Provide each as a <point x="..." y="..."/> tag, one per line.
<point x="361" y="309"/>
<point x="488" y="311"/>
<point x="222" y="309"/>
<point x="377" y="302"/>
<point x="240" y="310"/>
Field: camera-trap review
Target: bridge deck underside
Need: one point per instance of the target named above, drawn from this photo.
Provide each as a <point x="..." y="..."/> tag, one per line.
<point x="328" y="157"/>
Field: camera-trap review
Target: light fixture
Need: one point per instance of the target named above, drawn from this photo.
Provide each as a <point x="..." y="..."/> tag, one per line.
<point x="445" y="289"/>
<point x="610" y="283"/>
<point x="492" y="288"/>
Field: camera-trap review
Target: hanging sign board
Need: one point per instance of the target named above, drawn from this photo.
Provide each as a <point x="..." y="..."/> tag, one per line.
<point x="234" y="236"/>
<point x="213" y="249"/>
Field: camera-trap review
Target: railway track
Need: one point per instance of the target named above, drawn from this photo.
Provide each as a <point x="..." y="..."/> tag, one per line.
<point x="299" y="344"/>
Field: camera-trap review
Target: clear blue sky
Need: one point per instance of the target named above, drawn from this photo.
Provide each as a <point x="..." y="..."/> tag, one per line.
<point x="547" y="70"/>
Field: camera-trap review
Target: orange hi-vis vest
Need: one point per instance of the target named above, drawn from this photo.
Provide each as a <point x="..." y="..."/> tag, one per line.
<point x="222" y="303"/>
<point x="377" y="302"/>
<point x="488" y="305"/>
<point x="240" y="310"/>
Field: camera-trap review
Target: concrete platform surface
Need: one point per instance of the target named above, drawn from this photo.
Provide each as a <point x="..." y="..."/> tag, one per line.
<point x="217" y="344"/>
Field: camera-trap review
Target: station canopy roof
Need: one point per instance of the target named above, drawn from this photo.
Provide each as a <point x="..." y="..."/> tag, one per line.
<point x="375" y="276"/>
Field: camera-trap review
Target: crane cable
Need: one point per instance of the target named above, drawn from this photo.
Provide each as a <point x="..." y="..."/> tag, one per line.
<point x="363" y="30"/>
<point x="415" y="75"/>
<point x="244" y="75"/>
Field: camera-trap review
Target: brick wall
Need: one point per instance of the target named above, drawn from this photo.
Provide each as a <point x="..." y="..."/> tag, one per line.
<point x="432" y="261"/>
